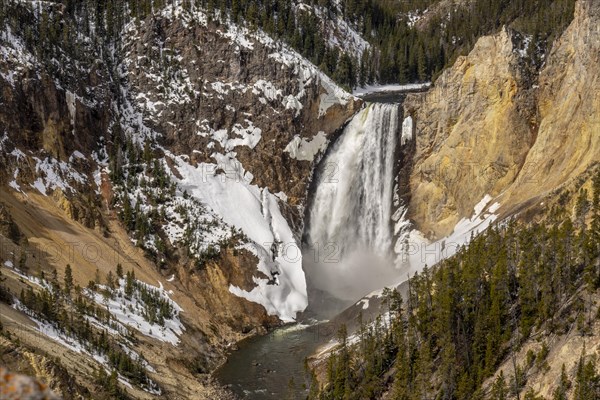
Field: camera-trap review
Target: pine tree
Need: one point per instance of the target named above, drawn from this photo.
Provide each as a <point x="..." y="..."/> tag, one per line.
<point x="113" y="383"/>
<point x="147" y="153"/>
<point x="587" y="380"/>
<point x="499" y="390"/>
<point x="581" y="207"/>
<point x="531" y="395"/>
<point x="127" y="215"/>
<point x="594" y="231"/>
<point x="68" y="279"/>
<point x="421" y="64"/>
<point x="110" y="280"/>
<point x="54" y="276"/>
<point x="23" y="260"/>
<point x="129" y="284"/>
<point x="5" y="295"/>
<point x="561" y="391"/>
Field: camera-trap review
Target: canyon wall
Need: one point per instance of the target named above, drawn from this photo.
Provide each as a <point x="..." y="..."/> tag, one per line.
<point x="491" y="126"/>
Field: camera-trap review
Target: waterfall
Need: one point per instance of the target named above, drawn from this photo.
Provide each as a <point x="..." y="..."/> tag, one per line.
<point x="349" y="225"/>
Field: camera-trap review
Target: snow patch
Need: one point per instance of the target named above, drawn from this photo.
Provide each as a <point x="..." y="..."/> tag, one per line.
<point x="417" y="251"/>
<point x="268" y="90"/>
<point x="302" y="149"/>
<point x="54" y="174"/>
<point x="227" y="190"/>
<point x="248" y="136"/>
<point x="129" y="312"/>
<point x="364" y="303"/>
<point x="72" y="106"/>
<point x="292" y="103"/>
<point x="13" y="184"/>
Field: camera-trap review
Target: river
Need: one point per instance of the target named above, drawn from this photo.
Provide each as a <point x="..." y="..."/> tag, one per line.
<point x="262" y="367"/>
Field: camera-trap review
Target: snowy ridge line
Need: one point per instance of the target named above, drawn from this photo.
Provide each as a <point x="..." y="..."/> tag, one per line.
<point x="77" y="346"/>
<point x="415" y="252"/>
<point x="29" y="278"/>
<point x="353" y="339"/>
<point x="123" y="309"/>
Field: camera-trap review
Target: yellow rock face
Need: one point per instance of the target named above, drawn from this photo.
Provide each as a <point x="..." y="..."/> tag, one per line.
<point x="568" y="141"/>
<point x="472" y="136"/>
<point x="52" y="140"/>
<point x="481" y="131"/>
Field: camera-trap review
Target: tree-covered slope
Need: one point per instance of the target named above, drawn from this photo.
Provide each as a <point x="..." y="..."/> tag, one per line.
<point x="514" y="284"/>
<point x="356" y="42"/>
<point x="410" y="40"/>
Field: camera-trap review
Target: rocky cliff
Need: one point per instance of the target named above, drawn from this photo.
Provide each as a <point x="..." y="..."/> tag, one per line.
<point x="568" y="139"/>
<point x="490" y="126"/>
<point x="222" y="83"/>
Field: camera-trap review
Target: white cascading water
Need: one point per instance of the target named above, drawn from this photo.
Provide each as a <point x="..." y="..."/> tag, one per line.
<point x="349" y="232"/>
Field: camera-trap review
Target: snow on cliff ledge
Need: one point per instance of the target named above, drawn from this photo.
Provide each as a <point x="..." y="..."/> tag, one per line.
<point x="307" y="73"/>
<point x="302" y="149"/>
<point x="417" y="252"/>
<point x="256" y="212"/>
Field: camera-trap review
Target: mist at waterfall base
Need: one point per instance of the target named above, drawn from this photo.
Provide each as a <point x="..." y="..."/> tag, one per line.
<point x="348" y="250"/>
<point x="355" y="275"/>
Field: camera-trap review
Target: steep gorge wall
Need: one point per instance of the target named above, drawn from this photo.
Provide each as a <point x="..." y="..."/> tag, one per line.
<point x="488" y="127"/>
<point x="568" y="141"/>
<point x="233" y="81"/>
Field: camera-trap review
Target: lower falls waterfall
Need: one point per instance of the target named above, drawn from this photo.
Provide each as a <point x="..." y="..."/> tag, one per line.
<point x="349" y="236"/>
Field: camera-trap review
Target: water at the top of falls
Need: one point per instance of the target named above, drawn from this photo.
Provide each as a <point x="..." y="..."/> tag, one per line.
<point x="350" y="219"/>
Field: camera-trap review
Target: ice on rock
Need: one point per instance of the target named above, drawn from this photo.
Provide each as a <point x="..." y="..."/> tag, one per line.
<point x="407" y="130"/>
<point x="302" y="149"/>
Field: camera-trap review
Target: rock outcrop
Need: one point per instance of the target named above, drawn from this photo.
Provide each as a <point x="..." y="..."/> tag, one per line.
<point x="568" y="139"/>
<point x="488" y="127"/>
<point x="18" y="387"/>
<point x="473" y="130"/>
